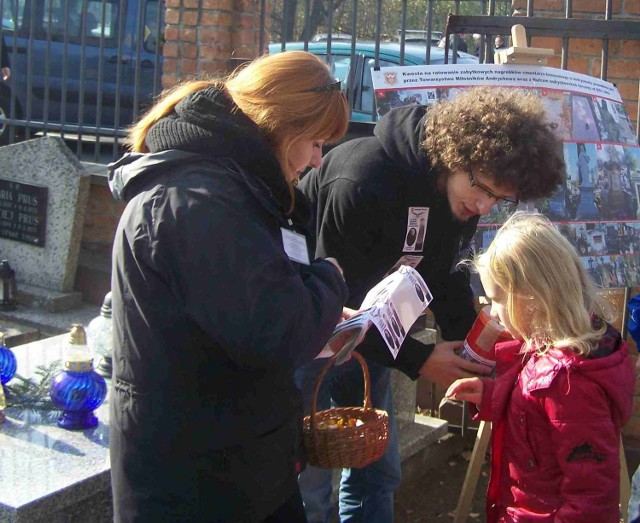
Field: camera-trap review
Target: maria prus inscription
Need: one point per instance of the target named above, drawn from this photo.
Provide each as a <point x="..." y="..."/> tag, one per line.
<point x="23" y="212"/>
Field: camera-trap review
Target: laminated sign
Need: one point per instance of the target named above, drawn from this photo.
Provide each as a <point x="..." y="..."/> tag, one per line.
<point x="596" y="208"/>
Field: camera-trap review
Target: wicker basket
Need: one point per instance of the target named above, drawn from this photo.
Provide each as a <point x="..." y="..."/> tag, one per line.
<point x="351" y="446"/>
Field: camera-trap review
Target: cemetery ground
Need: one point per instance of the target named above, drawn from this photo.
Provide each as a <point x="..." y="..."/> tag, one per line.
<point x="432" y="496"/>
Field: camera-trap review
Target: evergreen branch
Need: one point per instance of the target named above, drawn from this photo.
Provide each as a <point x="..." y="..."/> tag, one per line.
<point x="32" y="394"/>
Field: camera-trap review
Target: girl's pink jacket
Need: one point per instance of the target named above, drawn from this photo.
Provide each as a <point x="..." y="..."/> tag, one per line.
<point x="556" y="433"/>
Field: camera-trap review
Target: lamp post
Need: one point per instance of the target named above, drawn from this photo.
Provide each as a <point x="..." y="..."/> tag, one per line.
<point x="8" y="289"/>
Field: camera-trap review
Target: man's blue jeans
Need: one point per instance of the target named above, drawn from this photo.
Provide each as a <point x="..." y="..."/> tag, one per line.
<point x="634" y="501"/>
<point x="366" y="495"/>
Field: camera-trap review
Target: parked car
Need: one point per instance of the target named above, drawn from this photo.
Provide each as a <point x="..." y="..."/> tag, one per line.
<point x="356" y="75"/>
<point x="419" y="36"/>
<point x="80" y="65"/>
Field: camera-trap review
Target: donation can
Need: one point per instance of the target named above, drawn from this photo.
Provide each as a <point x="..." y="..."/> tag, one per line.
<point x="480" y="343"/>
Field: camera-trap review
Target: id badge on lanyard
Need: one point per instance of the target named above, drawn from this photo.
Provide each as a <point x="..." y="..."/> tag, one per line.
<point x="295" y="245"/>
<point x="417" y="218"/>
<point x="416" y="229"/>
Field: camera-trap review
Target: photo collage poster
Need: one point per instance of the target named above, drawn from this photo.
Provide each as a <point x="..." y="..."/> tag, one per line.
<point x="596" y="207"/>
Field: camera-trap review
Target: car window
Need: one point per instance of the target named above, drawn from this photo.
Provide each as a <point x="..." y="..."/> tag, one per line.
<point x="8" y="18"/>
<point x="340" y="65"/>
<point x="98" y="25"/>
<point x="365" y="103"/>
<point x="77" y="20"/>
<point x="151" y="27"/>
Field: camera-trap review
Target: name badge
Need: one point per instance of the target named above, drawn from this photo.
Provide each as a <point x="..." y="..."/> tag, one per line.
<point x="295" y="245"/>
<point x="416" y="229"/>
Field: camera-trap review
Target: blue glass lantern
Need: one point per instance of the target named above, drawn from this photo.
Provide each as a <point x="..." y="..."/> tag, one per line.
<point x="8" y="363"/>
<point x="78" y="390"/>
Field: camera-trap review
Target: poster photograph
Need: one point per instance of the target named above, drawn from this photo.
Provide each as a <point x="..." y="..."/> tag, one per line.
<point x="596" y="207"/>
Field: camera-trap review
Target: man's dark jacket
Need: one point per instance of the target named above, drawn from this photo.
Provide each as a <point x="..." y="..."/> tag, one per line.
<point x="210" y="320"/>
<point x="362" y="194"/>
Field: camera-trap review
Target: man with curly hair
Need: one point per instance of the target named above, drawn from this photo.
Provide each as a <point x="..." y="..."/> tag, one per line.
<point x="449" y="165"/>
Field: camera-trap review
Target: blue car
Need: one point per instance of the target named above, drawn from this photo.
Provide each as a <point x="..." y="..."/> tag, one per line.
<point x="356" y="76"/>
<point x="87" y="65"/>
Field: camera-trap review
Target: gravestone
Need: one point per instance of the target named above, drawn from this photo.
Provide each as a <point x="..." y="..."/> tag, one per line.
<point x="43" y="197"/>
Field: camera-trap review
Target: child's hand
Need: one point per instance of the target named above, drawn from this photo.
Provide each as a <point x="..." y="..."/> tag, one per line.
<point x="466" y="389"/>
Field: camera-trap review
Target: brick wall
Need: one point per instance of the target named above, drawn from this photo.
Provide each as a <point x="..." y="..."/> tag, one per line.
<point x="584" y="55"/>
<point x="202" y="35"/>
<point x="101" y="218"/>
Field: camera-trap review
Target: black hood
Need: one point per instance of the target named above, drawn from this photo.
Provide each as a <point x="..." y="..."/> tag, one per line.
<point x="400" y="132"/>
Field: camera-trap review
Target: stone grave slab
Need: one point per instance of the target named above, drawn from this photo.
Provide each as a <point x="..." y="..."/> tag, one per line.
<point x="43" y="198"/>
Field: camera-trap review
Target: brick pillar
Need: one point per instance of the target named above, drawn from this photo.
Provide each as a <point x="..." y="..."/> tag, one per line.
<point x="201" y="36"/>
<point x="585" y="54"/>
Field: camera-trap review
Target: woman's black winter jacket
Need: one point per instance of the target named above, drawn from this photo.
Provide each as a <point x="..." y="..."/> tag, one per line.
<point x="210" y="320"/>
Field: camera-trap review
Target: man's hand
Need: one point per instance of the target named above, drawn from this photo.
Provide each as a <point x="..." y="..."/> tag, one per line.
<point x="443" y="366"/>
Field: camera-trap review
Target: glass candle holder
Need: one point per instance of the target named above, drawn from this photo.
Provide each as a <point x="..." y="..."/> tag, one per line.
<point x="100" y="338"/>
<point x="8" y="362"/>
<point x="78" y="390"/>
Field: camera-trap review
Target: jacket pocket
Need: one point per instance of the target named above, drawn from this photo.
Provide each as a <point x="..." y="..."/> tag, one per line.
<point x="137" y="415"/>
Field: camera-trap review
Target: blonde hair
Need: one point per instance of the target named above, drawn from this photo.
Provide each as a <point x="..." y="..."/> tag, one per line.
<point x="279" y="93"/>
<point x="549" y="295"/>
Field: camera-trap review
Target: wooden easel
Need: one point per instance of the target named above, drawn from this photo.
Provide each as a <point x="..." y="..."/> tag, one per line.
<point x="520" y="52"/>
<point x="477" y="459"/>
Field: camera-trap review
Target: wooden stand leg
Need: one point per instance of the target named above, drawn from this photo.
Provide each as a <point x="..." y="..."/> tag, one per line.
<point x="473" y="472"/>
<point x="625" y="486"/>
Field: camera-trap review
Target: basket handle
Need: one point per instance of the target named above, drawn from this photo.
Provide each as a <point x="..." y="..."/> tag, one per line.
<point x="332" y="360"/>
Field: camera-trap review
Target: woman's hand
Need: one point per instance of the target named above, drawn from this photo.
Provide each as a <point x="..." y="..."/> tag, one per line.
<point x="348" y="313"/>
<point x="466" y="389"/>
<point x="335" y="263"/>
<point x="346" y="336"/>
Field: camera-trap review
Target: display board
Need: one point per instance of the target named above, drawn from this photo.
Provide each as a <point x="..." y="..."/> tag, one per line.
<point x="596" y="207"/>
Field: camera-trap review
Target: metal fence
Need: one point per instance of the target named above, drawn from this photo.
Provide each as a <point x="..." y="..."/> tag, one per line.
<point x="84" y="69"/>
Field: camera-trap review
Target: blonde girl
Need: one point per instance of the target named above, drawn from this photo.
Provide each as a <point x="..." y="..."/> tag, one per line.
<point x="562" y="389"/>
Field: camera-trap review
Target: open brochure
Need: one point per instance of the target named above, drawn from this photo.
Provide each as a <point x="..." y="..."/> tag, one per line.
<point x="393" y="306"/>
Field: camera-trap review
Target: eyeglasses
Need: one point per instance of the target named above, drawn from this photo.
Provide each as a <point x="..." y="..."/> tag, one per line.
<point x="507" y="199"/>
